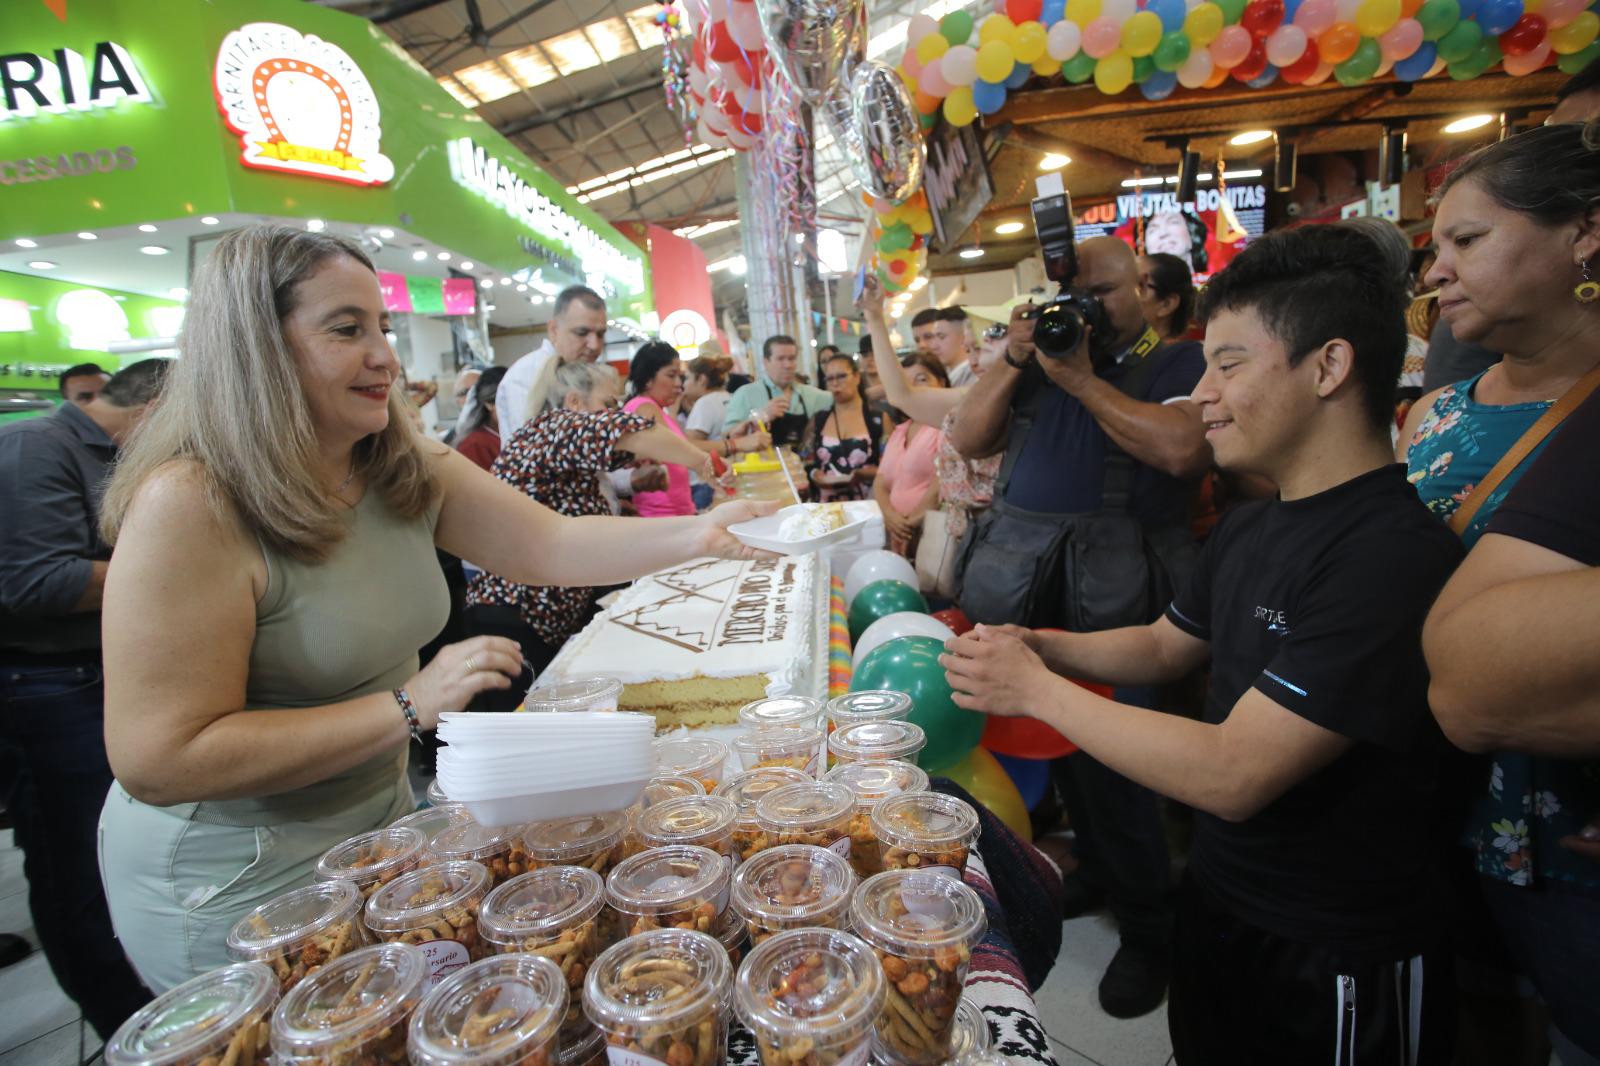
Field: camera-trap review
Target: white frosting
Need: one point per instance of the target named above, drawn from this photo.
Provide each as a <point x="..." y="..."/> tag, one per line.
<point x="812" y="520"/>
<point x="708" y="618"/>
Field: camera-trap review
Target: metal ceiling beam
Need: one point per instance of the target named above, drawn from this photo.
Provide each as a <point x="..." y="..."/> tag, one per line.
<point x="522" y="125"/>
<point x="380" y="11"/>
<point x="487" y="34"/>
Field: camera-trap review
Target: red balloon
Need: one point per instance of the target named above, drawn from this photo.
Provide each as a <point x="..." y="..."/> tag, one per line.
<point x="698" y="54"/>
<point x="749" y="121"/>
<point x="1020" y="11"/>
<point x="950" y="616"/>
<point x="1261" y="17"/>
<point x="1525" y="36"/>
<point x="1253" y="63"/>
<point x="723" y="48"/>
<point x="746" y="66"/>
<point x="1297" y="72"/>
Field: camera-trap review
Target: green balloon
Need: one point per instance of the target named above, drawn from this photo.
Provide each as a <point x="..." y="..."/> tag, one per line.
<point x="1172" y="52"/>
<point x="1461" y="42"/>
<point x="1571" y="64"/>
<point x="1080" y="68"/>
<point x="928" y="120"/>
<point x="1438" y="17"/>
<point x="895" y="238"/>
<point x="879" y="599"/>
<point x="1143" y="67"/>
<point x="1232" y="10"/>
<point x="956" y="27"/>
<point x="1488" y="53"/>
<point x="1360" y="67"/>
<point x="911" y="665"/>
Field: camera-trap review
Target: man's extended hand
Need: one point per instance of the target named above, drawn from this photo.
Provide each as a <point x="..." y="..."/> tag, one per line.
<point x="994" y="670"/>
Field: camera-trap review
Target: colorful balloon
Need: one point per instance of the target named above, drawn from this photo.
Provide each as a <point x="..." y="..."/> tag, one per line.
<point x="1232" y="10"/>
<point x="987" y="782"/>
<point x="1286" y="45"/>
<point x="1361" y="65"/>
<point x="1315" y="16"/>
<point x="1297" y="72"/>
<point x="1196" y="70"/>
<point x="1498" y="16"/>
<point x="1374" y="18"/>
<point x="933" y="82"/>
<point x="996" y="28"/>
<point x="1526" y="36"/>
<point x="882" y="564"/>
<point x="1052" y="11"/>
<point x="1063" y="40"/>
<point x="1576" y="35"/>
<point x="956" y="27"/>
<point x="1031" y="776"/>
<point x="1203" y="23"/>
<point x="931" y="47"/>
<point x="1101" y="37"/>
<point x="1171" y="13"/>
<point x="1143" y="67"/>
<point x="895" y="626"/>
<point x="1560" y="12"/>
<point x="1402" y="40"/>
<point x="879" y="600"/>
<point x="1020" y="11"/>
<point x="1418" y="64"/>
<point x="1572" y="63"/>
<point x="960" y="65"/>
<point x="959" y="110"/>
<point x="988" y="96"/>
<point x="1522" y="65"/>
<point x="1339" y="42"/>
<point x="1261" y="17"/>
<point x="1231" y="47"/>
<point x="1141" y="33"/>
<point x="1118" y="11"/>
<point x="1079" y="69"/>
<point x="1173" y="52"/>
<point x="954" y="618"/>
<point x="1438" y="17"/>
<point x="1159" y="85"/>
<point x="911" y="665"/>
<point x="1461" y="41"/>
<point x="1083" y="12"/>
<point x="1254" y="64"/>
<point x="1028" y="42"/>
<point x="995" y="61"/>
<point x="919" y="27"/>
<point x="1019" y="76"/>
<point x="1113" y="73"/>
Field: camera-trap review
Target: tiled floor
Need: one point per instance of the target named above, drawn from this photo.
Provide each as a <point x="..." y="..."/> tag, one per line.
<point x="1082" y="1034"/>
<point x="39" y="1025"/>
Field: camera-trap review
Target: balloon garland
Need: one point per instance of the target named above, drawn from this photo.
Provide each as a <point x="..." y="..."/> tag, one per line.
<point x="675" y="70"/>
<point x="899" y="235"/>
<point x="963" y="67"/>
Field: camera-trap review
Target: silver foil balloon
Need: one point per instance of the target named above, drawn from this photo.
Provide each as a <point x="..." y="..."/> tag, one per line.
<point x="892" y="154"/>
<point x="811" y="40"/>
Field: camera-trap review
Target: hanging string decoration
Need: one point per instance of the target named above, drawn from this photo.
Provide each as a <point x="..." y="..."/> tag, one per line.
<point x="675" y="60"/>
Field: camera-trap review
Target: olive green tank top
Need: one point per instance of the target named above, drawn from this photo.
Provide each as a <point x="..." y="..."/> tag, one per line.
<point x="333" y="631"/>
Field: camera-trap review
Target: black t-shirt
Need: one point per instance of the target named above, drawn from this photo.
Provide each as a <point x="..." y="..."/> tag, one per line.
<point x="1318" y="604"/>
<point x="1555" y="504"/>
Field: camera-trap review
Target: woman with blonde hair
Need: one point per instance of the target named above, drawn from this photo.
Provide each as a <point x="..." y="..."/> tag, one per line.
<point x="274" y="526"/>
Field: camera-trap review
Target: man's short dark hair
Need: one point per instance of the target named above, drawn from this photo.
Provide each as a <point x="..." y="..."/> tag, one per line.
<point x="957" y="314"/>
<point x="864" y="349"/>
<point x="82" y="370"/>
<point x="1316" y="283"/>
<point x="773" y="341"/>
<point x="138" y="384"/>
<point x="1586" y="79"/>
<point x="925" y="317"/>
<point x="580" y="294"/>
<point x="828" y="351"/>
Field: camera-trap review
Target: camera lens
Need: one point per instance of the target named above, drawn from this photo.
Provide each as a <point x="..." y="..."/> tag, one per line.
<point x="1058" y="331"/>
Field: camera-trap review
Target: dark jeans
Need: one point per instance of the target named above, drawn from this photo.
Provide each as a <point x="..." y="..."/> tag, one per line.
<point x="1554" y="937"/>
<point x="1120" y="841"/>
<point x="495" y="621"/>
<point x="53" y="716"/>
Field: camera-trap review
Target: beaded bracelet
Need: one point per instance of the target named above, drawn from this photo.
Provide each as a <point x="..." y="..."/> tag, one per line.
<point x="409" y="709"/>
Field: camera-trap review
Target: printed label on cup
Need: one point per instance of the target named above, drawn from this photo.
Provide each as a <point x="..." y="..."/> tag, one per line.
<point x="841" y="847"/>
<point x="444" y="957"/>
<point x="621" y="1056"/>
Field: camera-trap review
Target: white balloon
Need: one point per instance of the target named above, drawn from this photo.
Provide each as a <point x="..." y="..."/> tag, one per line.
<point x="1196" y="70"/>
<point x="1063" y="40"/>
<point x="1118" y="11"/>
<point x="744" y="26"/>
<point x="699" y="81"/>
<point x="716" y="10"/>
<point x="893" y="627"/>
<point x="881" y="565"/>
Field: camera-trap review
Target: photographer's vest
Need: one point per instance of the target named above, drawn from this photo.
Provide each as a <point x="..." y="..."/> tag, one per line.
<point x="1082" y="572"/>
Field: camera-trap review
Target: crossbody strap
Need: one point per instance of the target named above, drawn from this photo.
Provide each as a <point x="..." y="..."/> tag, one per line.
<point x="1553" y="416"/>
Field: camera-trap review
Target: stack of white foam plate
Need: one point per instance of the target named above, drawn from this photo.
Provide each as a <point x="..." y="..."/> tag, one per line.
<point x="513" y="768"/>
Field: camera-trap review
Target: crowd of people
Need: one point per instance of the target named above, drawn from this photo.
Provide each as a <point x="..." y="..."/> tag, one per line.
<point x="217" y="573"/>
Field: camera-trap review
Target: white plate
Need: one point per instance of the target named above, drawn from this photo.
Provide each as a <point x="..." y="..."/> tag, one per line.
<point x="763" y="533"/>
<point x="570" y="803"/>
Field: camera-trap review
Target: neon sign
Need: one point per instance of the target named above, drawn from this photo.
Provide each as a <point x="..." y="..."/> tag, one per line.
<point x="604" y="264"/>
<point x="299" y="105"/>
<point x="62" y="81"/>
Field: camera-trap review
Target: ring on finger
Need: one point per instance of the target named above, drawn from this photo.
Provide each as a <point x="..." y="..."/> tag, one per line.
<point x="472" y="667"/>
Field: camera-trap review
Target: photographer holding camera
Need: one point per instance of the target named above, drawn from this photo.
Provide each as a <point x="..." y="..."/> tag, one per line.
<point x="1088" y="532"/>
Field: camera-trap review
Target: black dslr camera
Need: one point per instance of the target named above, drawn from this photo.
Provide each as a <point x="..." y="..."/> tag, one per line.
<point x="1058" y="325"/>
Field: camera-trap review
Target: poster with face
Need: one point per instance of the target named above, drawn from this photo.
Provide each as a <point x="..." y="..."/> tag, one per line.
<point x="1206" y="233"/>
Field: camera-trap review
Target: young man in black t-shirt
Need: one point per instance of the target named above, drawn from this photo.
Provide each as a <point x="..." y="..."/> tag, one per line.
<point x="1306" y="925"/>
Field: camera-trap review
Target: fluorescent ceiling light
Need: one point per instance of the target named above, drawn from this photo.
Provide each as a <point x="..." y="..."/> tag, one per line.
<point x="147" y="228"/>
<point x="42" y="264"/>
<point x="443" y="257"/>
<point x="734" y="263"/>
<point x="1054" y="161"/>
<point x="466" y="264"/>
<point x="505" y="281"/>
<point x="1250" y="137"/>
<point x="971" y="253"/>
<point x="486" y="283"/>
<point x="154" y="249"/>
<point x="1172" y="179"/>
<point x="696" y="232"/>
<point x="920" y="284"/>
<point x="386" y="234"/>
<point x="23" y="242"/>
<point x="645" y="173"/>
<point x="209" y="220"/>
<point x="1010" y="227"/>
<point x="419" y="255"/>
<point x="315" y="225"/>
<point x="1470" y="122"/>
<point x="87" y="236"/>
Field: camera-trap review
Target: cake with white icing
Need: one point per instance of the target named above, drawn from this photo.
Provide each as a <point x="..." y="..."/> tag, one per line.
<point x="694" y="643"/>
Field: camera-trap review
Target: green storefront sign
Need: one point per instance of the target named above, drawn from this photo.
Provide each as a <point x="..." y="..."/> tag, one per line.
<point x="126" y="113"/>
<point x="46" y="325"/>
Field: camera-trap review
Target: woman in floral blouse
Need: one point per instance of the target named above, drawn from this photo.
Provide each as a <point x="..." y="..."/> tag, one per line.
<point x="844" y="442"/>
<point x="561" y="459"/>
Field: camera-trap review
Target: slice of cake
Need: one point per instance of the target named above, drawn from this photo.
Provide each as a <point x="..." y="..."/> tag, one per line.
<point x="693" y="644"/>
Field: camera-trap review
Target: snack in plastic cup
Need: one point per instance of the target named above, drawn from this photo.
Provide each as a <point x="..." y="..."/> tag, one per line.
<point x="555" y="914"/>
<point x="583" y="694"/>
<point x="970" y="1035"/>
<point x="372" y="860"/>
<point x="434" y="908"/>
<point x="791" y="746"/>
<point x="732" y="935"/>
<point x="497" y="849"/>
<point x="811" y="997"/>
<point x="663" y="995"/>
<point x="299" y="932"/>
<point x="877" y="742"/>
<point x="590" y="840"/>
<point x="868" y="705"/>
<point x="504" y="1011"/>
<point x="220" y="1016"/>
<point x="793" y="887"/>
<point x="816" y="813"/>
<point x="746" y="790"/>
<point x="434" y="820"/>
<point x="872" y="782"/>
<point x="660" y="788"/>
<point x="703" y="820"/>
<point x="923" y="925"/>
<point x="353" y="1010"/>
<point x="779" y="711"/>
<point x="698" y="757"/>
<point x="925" y="830"/>
<point x="680" y="887"/>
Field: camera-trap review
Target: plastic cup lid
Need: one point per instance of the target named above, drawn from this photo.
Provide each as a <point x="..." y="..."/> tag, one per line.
<point x="729" y="930"/>
<point x="492" y="1013"/>
<point x="473" y="841"/>
<point x="198" y="1017"/>
<point x="815" y="803"/>
<point x="584" y="1051"/>
<point x="917" y="912"/>
<point x="434" y="820"/>
<point x="913" y="820"/>
<point x="416" y="898"/>
<point x="576" y="837"/>
<point x="746" y="789"/>
<point x="632" y="983"/>
<point x="663" y="787"/>
<point x="780" y="711"/>
<point x="351" y="999"/>
<point x="283" y="921"/>
<point x="688" y="755"/>
<point x="970" y="1033"/>
<point x="888" y="739"/>
<point x="541" y="903"/>
<point x="687" y="819"/>
<point x="435" y="794"/>
<point x="869" y="705"/>
<point x="778" y="739"/>
<point x="370" y="856"/>
<point x="793" y="884"/>
<point x="576" y="695"/>
<point x="663" y="878"/>
<point x="873" y="781"/>
<point x="843" y="992"/>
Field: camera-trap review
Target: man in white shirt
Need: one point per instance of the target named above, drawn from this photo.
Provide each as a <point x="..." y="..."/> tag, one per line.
<point x="952" y="343"/>
<point x="577" y="331"/>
